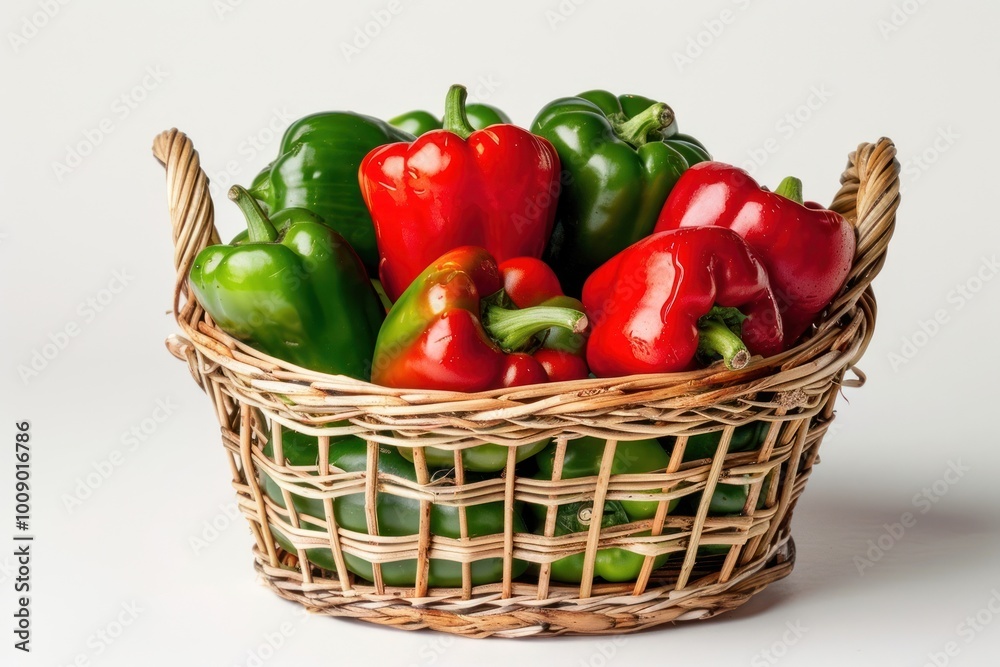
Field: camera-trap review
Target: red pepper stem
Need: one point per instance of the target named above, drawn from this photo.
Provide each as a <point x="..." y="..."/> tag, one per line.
<point x="455" y="119"/>
<point x="259" y="228"/>
<point x="715" y="338"/>
<point x="790" y="188"/>
<point x="513" y="330"/>
<point x="636" y="129"/>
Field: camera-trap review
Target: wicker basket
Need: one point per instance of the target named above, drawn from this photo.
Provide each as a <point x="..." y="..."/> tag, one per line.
<point x="795" y="392"/>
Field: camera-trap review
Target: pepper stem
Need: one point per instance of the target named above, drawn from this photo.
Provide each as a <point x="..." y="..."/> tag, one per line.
<point x="715" y="338"/>
<point x="259" y="228"/>
<point x="790" y="188"/>
<point x="513" y="329"/>
<point x="636" y="129"/>
<point x="455" y="119"/>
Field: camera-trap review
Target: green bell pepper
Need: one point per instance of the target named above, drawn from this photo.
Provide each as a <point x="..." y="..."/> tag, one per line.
<point x="621" y="157"/>
<point x="317" y="169"/>
<point x="704" y="445"/>
<point x="420" y="122"/>
<point x="583" y="459"/>
<point x="397" y="516"/>
<point x="732" y="498"/>
<point x="613" y="564"/>
<point x="727" y="498"/>
<point x="481" y="458"/>
<point x="299" y="293"/>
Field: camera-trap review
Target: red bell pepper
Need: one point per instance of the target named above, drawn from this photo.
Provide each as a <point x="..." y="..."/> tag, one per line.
<point x="672" y="297"/>
<point x="531" y="282"/>
<point x="451" y="330"/>
<point x="495" y="188"/>
<point x="806" y="249"/>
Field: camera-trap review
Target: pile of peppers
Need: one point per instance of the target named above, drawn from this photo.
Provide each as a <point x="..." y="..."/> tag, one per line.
<point x="458" y="251"/>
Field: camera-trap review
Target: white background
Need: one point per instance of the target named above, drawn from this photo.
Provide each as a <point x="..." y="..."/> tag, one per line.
<point x="922" y="73"/>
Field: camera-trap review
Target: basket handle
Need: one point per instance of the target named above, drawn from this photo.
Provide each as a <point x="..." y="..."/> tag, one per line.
<point x="192" y="215"/>
<point x="868" y="198"/>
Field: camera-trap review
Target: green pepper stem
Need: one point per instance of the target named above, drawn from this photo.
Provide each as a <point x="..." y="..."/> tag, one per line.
<point x="455" y="119"/>
<point x="636" y="129"/>
<point x="715" y="338"/>
<point x="259" y="228"/>
<point x="513" y="329"/>
<point x="790" y="188"/>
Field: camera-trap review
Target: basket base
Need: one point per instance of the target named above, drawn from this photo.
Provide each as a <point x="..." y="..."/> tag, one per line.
<point x="485" y="614"/>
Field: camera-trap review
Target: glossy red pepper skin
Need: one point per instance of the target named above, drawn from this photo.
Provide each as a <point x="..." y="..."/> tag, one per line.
<point x="531" y="282"/>
<point x="646" y="302"/>
<point x="806" y="249"/>
<point x="521" y="368"/>
<point x="434" y="336"/>
<point x="495" y="188"/>
<point x="562" y="366"/>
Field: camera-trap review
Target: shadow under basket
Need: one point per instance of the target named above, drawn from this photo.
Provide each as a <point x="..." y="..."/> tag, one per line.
<point x="694" y="563"/>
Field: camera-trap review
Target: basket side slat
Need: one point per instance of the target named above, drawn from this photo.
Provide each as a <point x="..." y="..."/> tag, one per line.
<point x="596" y="515"/>
<point x="463" y="526"/>
<point x="423" y="526"/>
<point x="718" y="461"/>
<point x="371" y="503"/>
<point x="545" y="571"/>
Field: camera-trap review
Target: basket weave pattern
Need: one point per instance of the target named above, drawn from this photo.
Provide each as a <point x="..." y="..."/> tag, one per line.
<point x="795" y="392"/>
